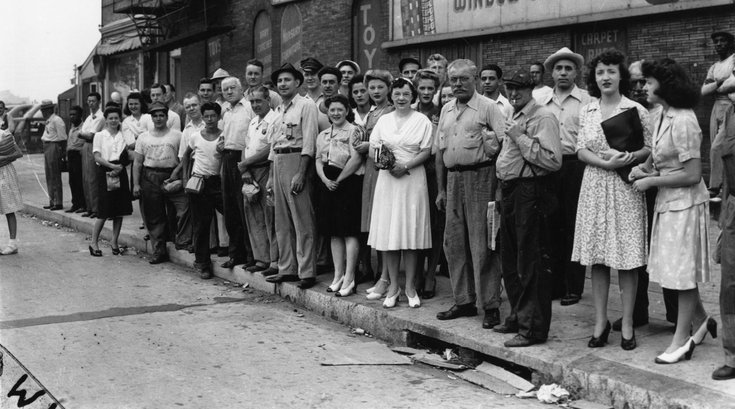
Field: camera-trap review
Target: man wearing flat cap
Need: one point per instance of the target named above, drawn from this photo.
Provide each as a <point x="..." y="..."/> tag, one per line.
<point x="292" y="148"/>
<point x="714" y="85"/>
<point x="565" y="101"/>
<point x="54" y="148"/>
<point x="408" y="67"/>
<point x="310" y="67"/>
<point x="526" y="166"/>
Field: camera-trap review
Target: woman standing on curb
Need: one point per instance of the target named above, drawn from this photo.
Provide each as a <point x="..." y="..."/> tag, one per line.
<point x="11" y="200"/>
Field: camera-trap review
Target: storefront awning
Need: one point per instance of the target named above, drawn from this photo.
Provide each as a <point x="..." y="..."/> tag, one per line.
<point x="119" y="44"/>
<point x="189" y="38"/>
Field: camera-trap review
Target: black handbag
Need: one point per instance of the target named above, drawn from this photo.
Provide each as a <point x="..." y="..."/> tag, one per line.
<point x="624" y="132"/>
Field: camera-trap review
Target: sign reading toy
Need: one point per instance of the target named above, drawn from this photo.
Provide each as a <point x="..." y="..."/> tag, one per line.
<point x="369" y="36"/>
<point x="429" y="20"/>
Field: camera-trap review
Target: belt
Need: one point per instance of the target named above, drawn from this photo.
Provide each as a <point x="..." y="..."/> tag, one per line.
<point x="462" y="168"/>
<point x="515" y="181"/>
<point x="281" y="151"/>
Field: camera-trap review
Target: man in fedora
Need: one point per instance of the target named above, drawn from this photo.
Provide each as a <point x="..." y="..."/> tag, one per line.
<point x="528" y="159"/>
<point x="565" y="101"/>
<point x="292" y="148"/>
<point x="54" y="148"/>
<point x="217" y="77"/>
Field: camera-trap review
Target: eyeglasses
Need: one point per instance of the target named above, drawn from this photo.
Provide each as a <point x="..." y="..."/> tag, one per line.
<point x="454" y="80"/>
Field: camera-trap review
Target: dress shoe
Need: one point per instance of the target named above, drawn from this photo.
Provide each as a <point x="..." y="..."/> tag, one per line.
<point x="336" y="284"/>
<point x="506" y="328"/>
<point x="268" y="272"/>
<point x="392" y="301"/>
<point x="307" y="282"/>
<point x="723" y="373"/>
<point x="86" y="214"/>
<point x="204" y="273"/>
<point x="464" y="310"/>
<point x="282" y="278"/>
<point x="346" y="290"/>
<point x="378" y="283"/>
<point x="597" y="342"/>
<point x="57" y="207"/>
<point x="116" y="251"/>
<point x="522" y="341"/>
<point x="81" y="210"/>
<point x="570" y="299"/>
<point x="93" y="215"/>
<point x="429" y="294"/>
<point x="48" y="207"/>
<point x="72" y="209"/>
<point x="255" y="268"/>
<point x="618" y="324"/>
<point x="158" y="259"/>
<point x="628" y="344"/>
<point x="230" y="263"/>
<point x="685" y="351"/>
<point x="492" y="318"/>
<point x="709" y="325"/>
<point x="415" y="301"/>
<point x="95" y="253"/>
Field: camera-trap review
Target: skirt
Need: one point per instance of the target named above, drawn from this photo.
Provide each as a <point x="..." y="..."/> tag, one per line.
<point x="368" y="190"/>
<point x="11" y="200"/>
<point x="680" y="255"/>
<point x="114" y="203"/>
<point x="338" y="212"/>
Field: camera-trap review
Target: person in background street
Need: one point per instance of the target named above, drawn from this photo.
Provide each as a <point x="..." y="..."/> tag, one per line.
<point x="74" y="146"/>
<point x="679" y="255"/>
<point x="408" y="67"/>
<point x="610" y="231"/>
<point x="11" y="200"/>
<point x="254" y="80"/>
<point x="540" y="90"/>
<point x="293" y="145"/>
<point x="156" y="157"/>
<point x="565" y="101"/>
<point x="469" y="127"/>
<point x="400" y="225"/>
<point x="491" y="78"/>
<point x="203" y="149"/>
<point x="110" y="149"/>
<point x="159" y="94"/>
<point x="217" y="77"/>
<point x="174" y="105"/>
<point x="724" y="44"/>
<point x="330" y="79"/>
<point x="94" y="123"/>
<point x="310" y="67"/>
<point x="426" y="83"/>
<point x="6" y="121"/>
<point x="235" y="122"/>
<point x="255" y="168"/>
<point x="530" y="154"/>
<point x="339" y="191"/>
<point x="349" y="69"/>
<point x="54" y="149"/>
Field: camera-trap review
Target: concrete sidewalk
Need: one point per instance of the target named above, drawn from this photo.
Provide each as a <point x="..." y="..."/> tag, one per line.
<point x="609" y="375"/>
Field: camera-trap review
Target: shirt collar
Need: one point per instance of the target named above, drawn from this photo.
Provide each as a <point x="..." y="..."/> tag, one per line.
<point x="528" y="109"/>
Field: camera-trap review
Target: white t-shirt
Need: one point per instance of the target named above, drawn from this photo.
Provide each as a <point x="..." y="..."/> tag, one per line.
<point x="207" y="161"/>
<point x="159" y="151"/>
<point x="189" y="130"/>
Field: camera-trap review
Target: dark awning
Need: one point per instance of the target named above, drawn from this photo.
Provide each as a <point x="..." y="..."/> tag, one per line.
<point x="119" y="44"/>
<point x="189" y="38"/>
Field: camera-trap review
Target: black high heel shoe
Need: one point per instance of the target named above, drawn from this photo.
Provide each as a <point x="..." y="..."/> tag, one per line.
<point x="116" y="251"/>
<point x="429" y="294"/>
<point x="95" y="253"/>
<point x="597" y="342"/>
<point x="709" y="325"/>
<point x="628" y="344"/>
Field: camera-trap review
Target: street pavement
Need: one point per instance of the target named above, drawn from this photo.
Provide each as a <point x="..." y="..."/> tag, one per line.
<point x="607" y="375"/>
<point x="116" y="332"/>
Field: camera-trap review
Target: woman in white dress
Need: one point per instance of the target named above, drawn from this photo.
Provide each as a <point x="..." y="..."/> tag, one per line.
<point x="11" y="200"/>
<point x="399" y="222"/>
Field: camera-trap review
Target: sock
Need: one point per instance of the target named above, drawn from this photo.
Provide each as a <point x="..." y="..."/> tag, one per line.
<point x="13" y="242"/>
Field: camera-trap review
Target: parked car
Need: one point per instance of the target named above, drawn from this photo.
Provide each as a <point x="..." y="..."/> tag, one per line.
<point x="29" y="127"/>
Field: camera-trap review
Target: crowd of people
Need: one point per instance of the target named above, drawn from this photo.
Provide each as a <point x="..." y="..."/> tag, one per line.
<point x="497" y="181"/>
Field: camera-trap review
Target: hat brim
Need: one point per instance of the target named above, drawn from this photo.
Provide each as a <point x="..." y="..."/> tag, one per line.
<point x="297" y="74"/>
<point x="725" y="34"/>
<point x="574" y="57"/>
<point x="515" y="84"/>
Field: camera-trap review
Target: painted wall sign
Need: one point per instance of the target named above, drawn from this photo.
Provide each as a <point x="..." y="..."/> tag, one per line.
<point x="593" y="41"/>
<point x="263" y="41"/>
<point x="214" y="52"/>
<point x="368" y="33"/>
<point x="291" y="30"/>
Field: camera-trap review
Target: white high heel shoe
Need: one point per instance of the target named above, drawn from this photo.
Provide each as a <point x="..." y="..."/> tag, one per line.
<point x="372" y="289"/>
<point x="415" y="301"/>
<point x="336" y="285"/>
<point x="391" y="301"/>
<point x="685" y="351"/>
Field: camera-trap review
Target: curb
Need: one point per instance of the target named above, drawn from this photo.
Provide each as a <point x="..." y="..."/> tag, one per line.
<point x="592" y="377"/>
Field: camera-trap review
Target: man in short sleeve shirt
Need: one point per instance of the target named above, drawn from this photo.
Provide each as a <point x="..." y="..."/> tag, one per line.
<point x="74" y="146"/>
<point x="54" y="147"/>
<point x="92" y="124"/>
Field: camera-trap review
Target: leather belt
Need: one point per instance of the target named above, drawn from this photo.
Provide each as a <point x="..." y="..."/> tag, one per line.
<point x="462" y="168"/>
<point x="281" y="151"/>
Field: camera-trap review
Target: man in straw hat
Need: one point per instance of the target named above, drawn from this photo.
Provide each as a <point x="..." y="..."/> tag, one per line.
<point x="54" y="149"/>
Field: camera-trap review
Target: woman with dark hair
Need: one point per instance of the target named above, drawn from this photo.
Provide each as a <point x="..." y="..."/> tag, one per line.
<point x="679" y="256"/>
<point x="610" y="229"/>
<point x="136" y="111"/>
<point x="110" y="149"/>
<point x="399" y="224"/>
<point x="338" y="217"/>
<point x="359" y="100"/>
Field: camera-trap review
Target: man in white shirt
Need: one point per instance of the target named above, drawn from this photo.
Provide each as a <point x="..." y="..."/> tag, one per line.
<point x="254" y="80"/>
<point x="92" y="124"/>
<point x="491" y="78"/>
<point x="255" y="168"/>
<point x="540" y="90"/>
<point x="54" y="146"/>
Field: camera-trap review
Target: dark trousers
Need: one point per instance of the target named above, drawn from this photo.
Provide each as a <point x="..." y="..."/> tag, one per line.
<point x="727" y="280"/>
<point x="232" y="206"/>
<point x="201" y="208"/>
<point x="52" y="153"/>
<point x="76" y="179"/>
<point x="157" y="205"/>
<point x="525" y="252"/>
<point x="570" y="275"/>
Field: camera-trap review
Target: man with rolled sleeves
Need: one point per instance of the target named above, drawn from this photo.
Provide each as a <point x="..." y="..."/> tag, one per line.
<point x="54" y="149"/>
<point x="255" y="169"/>
<point x="467" y="137"/>
<point x="236" y="118"/>
<point x="564" y="101"/>
<point x="530" y="155"/>
<point x="92" y="124"/>
<point x="292" y="150"/>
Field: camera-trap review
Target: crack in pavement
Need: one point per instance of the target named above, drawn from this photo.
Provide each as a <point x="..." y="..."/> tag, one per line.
<point x="108" y="313"/>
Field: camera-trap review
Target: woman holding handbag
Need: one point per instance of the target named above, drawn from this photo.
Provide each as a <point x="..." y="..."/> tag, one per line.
<point x="10" y="197"/>
<point x="110" y="148"/>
